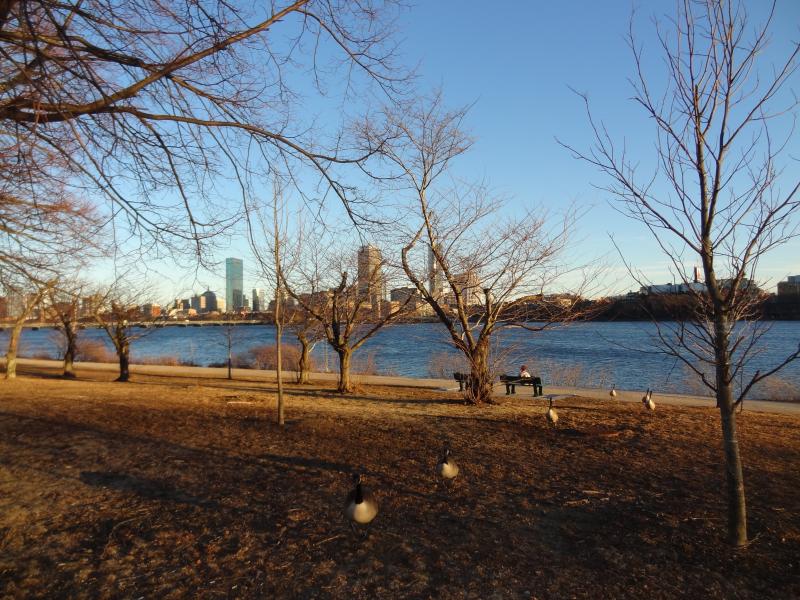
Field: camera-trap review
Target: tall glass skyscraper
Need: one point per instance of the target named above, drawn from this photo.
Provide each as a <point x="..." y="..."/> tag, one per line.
<point x="234" y="284"/>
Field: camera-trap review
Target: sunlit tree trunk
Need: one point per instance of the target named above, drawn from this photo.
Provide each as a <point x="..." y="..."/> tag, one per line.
<point x="124" y="366"/>
<point x="11" y="354"/>
<point x="480" y="388"/>
<point x="734" y="478"/>
<point x="71" y="337"/>
<point x="123" y="353"/>
<point x="16" y="332"/>
<point x="305" y="359"/>
<point x="345" y="385"/>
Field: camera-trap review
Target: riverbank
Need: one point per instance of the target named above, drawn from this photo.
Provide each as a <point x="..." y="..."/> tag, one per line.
<point x="179" y="484"/>
<point x="266" y="376"/>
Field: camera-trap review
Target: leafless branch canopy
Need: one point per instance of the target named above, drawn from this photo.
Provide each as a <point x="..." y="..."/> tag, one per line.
<point x="157" y="105"/>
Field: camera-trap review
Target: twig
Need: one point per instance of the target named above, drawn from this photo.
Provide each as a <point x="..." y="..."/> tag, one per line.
<point x="330" y="539"/>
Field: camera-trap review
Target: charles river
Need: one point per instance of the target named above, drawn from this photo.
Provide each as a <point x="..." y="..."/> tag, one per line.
<point x="596" y="354"/>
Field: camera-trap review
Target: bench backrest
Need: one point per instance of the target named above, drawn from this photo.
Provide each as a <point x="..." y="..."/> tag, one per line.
<point x="526" y="380"/>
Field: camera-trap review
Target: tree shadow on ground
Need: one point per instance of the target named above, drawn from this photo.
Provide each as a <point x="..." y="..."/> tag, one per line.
<point x="149" y="489"/>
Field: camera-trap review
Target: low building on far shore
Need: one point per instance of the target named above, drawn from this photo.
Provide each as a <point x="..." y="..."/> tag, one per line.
<point x="790" y="287"/>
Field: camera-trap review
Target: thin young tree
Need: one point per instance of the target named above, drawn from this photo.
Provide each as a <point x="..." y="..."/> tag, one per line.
<point x="270" y="221"/>
<point x="717" y="195"/>
<point x="478" y="269"/>
<point x="277" y="250"/>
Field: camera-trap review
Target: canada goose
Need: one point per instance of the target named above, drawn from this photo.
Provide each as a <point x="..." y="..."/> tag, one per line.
<point x="648" y="400"/>
<point x="360" y="506"/>
<point x="552" y="415"/>
<point x="446" y="468"/>
<point x="646" y="394"/>
<point x="613" y="392"/>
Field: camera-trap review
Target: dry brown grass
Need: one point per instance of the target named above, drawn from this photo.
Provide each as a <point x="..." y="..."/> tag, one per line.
<point x="266" y="357"/>
<point x="95" y="351"/>
<point x="168" y="488"/>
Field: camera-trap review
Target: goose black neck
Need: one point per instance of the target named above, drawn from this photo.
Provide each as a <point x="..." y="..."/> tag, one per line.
<point x="359" y="498"/>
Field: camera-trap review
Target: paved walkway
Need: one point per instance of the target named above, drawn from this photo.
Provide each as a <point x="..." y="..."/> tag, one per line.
<point x="442" y="384"/>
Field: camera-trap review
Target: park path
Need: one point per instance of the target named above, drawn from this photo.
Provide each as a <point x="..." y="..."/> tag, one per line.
<point x="441" y="384"/>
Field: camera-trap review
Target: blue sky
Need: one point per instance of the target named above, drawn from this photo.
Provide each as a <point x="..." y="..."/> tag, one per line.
<point x="515" y="62"/>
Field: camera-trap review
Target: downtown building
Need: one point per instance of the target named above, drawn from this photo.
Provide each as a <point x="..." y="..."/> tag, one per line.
<point x="234" y="284"/>
<point x="371" y="282"/>
<point x="258" y="300"/>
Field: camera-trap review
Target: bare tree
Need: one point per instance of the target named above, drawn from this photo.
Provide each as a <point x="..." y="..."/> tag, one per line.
<point x="477" y="269"/>
<point x="717" y="196"/>
<point x="117" y="314"/>
<point x="271" y="261"/>
<point x="350" y="309"/>
<point x="63" y="305"/>
<point x="152" y="103"/>
<point x="308" y="332"/>
<point x="28" y="299"/>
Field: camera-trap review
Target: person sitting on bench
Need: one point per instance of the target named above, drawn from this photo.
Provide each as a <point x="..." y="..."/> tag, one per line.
<point x="511" y="387"/>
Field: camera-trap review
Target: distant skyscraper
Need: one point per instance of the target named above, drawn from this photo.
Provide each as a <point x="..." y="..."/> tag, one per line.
<point x="259" y="300"/>
<point x="370" y="276"/>
<point x="435" y="276"/>
<point x="209" y="302"/>
<point x="234" y="284"/>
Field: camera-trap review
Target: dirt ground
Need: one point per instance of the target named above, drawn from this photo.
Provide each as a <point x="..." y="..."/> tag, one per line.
<point x="174" y="488"/>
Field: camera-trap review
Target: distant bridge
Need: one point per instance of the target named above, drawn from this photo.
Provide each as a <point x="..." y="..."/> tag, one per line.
<point x="148" y="324"/>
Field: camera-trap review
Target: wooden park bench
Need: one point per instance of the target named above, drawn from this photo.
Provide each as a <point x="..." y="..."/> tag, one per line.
<point x="512" y="381"/>
<point x="461" y="378"/>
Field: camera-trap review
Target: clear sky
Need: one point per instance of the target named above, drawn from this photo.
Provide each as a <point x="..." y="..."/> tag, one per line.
<point x="516" y="61"/>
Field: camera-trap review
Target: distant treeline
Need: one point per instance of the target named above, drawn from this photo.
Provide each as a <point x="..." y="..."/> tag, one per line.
<point x="681" y="307"/>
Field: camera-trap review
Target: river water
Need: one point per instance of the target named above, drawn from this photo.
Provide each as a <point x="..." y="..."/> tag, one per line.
<point x="596" y="354"/>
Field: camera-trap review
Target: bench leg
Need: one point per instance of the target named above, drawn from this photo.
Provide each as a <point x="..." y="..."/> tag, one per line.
<point x="537" y="390"/>
<point x="460" y="385"/>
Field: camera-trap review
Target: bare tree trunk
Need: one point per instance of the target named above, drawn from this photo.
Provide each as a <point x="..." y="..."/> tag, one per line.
<point x="305" y="359"/>
<point x="479" y="390"/>
<point x="734" y="479"/>
<point x="71" y="335"/>
<point x="123" y="352"/>
<point x="16" y="332"/>
<point x="230" y="356"/>
<point x="279" y="354"/>
<point x="737" y="507"/>
<point x="11" y="353"/>
<point x="345" y="383"/>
